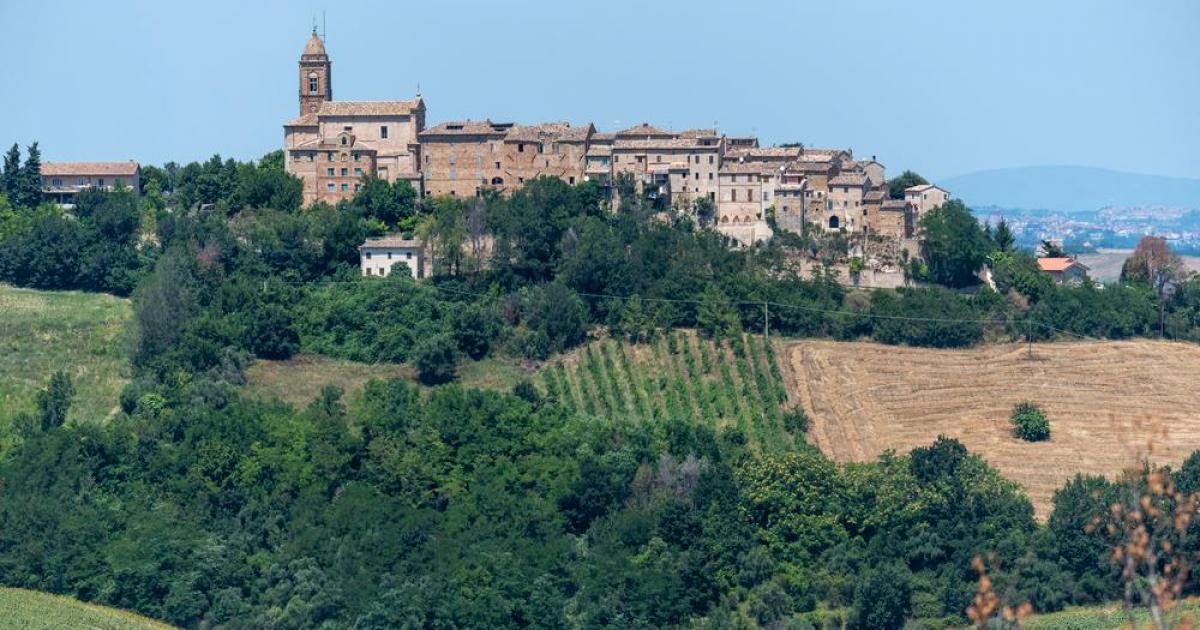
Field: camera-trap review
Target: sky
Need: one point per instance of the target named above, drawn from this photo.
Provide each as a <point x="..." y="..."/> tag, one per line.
<point x="940" y="87"/>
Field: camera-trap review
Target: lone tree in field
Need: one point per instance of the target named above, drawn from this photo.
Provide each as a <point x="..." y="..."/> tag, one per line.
<point x="1030" y="423"/>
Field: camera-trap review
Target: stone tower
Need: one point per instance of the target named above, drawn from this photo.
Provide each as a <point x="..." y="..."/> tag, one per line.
<point x="316" y="76"/>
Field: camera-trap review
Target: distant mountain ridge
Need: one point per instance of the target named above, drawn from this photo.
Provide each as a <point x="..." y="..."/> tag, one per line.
<point x="1072" y="188"/>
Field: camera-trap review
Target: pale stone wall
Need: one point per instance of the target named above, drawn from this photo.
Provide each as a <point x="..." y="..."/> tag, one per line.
<point x="384" y="261"/>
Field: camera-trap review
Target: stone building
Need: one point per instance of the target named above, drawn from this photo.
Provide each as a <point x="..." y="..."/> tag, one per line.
<point x="462" y="158"/>
<point x="924" y="198"/>
<point x="391" y="254"/>
<point x="62" y="181"/>
<point x="332" y="145"/>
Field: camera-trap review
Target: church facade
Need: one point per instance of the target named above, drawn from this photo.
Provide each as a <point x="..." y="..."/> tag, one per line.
<point x="332" y="144"/>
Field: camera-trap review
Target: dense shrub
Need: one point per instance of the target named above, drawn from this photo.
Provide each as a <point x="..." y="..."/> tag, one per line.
<point x="1030" y="423"/>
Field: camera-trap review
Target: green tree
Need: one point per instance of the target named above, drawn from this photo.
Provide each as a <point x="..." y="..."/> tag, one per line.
<point x="716" y="316"/>
<point x="1003" y="236"/>
<point x="907" y="179"/>
<point x="882" y="600"/>
<point x="1050" y="249"/>
<point x="1030" y="423"/>
<point x="55" y="401"/>
<point x="954" y="246"/>
<point x="12" y="172"/>
<point x="28" y="185"/>
<point x="391" y="203"/>
<point x="436" y="358"/>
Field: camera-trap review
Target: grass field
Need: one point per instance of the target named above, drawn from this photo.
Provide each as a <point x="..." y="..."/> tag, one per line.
<point x="299" y="379"/>
<point x="736" y="383"/>
<point x="1109" y="404"/>
<point x="31" y="610"/>
<point x="44" y="331"/>
<point x="1108" y="617"/>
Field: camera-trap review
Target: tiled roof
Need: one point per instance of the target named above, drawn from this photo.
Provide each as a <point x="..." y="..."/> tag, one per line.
<point x="749" y="167"/>
<point x="659" y="143"/>
<point x="644" y="130"/>
<point x="894" y="204"/>
<point x="699" y="133"/>
<point x="390" y="241"/>
<point x="599" y="150"/>
<point x="923" y="187"/>
<point x="556" y="131"/>
<point x="467" y="128"/>
<point x="89" y="168"/>
<point x="810" y="167"/>
<point x="1058" y="264"/>
<point x="370" y="108"/>
<point x="307" y="120"/>
<point x="873" y="196"/>
<point x="600" y="136"/>
<point x="849" y="179"/>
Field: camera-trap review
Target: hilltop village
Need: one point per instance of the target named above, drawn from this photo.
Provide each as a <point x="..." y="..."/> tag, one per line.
<point x="333" y="144"/>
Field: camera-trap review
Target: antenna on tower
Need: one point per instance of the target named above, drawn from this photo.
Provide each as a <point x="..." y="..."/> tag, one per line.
<point x="324" y="37"/>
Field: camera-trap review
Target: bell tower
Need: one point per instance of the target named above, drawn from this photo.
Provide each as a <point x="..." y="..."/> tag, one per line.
<point x="315" y="75"/>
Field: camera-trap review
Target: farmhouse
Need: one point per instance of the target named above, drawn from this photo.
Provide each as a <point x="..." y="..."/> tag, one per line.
<point x="61" y="181"/>
<point x="381" y="256"/>
<point x="1064" y="270"/>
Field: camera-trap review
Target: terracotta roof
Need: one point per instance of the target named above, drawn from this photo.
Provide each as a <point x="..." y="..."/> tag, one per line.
<point x="467" y="128"/>
<point x="773" y="152"/>
<point x="699" y="133"/>
<point x="849" y="179"/>
<point x="1058" y="264"/>
<point x="659" y="143"/>
<point x="924" y="187"/>
<point x="644" y="130"/>
<point x="89" y="168"/>
<point x="307" y="120"/>
<point x="557" y="131"/>
<point x="749" y="167"/>
<point x="314" y="47"/>
<point x="599" y="150"/>
<point x="750" y="141"/>
<point x="390" y="241"/>
<point x="810" y="167"/>
<point x="370" y="108"/>
<point x="603" y="137"/>
<point x="894" y="204"/>
<point x="873" y="195"/>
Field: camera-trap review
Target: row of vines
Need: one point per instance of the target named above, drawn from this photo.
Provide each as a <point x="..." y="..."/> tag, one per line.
<point x="734" y="383"/>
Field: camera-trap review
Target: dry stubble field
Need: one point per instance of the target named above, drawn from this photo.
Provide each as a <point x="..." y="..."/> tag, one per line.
<point x="1107" y="402"/>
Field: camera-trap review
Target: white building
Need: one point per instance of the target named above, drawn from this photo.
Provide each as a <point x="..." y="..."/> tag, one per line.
<point x="381" y="256"/>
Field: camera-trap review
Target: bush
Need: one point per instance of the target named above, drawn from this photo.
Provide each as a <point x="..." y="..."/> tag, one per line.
<point x="1029" y="423"/>
<point x="795" y="420"/>
<point x="436" y="358"/>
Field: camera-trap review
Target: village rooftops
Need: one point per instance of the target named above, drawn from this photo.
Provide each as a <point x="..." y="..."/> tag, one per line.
<point x="849" y="179"/>
<point x="645" y="130"/>
<point x="763" y="153"/>
<point x="660" y="143"/>
<point x="699" y="133"/>
<point x="110" y="169"/>
<point x="554" y="132"/>
<point x="873" y="196"/>
<point x="390" y="242"/>
<point x="764" y="168"/>
<point x="467" y="128"/>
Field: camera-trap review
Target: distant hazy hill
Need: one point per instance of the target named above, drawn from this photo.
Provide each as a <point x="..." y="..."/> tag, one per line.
<point x="1072" y="188"/>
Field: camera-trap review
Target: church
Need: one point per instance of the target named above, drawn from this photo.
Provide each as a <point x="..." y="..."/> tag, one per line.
<point x="332" y="144"/>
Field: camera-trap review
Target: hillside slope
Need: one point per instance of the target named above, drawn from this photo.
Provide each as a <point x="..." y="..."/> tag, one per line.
<point x="32" y="610"/>
<point x="1108" y="403"/>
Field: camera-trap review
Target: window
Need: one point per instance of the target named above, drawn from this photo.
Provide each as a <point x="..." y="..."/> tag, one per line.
<point x="520" y="148"/>
<point x="355" y="156"/>
<point x="345" y="171"/>
<point x="312" y="82"/>
<point x="572" y="180"/>
<point x="497" y="165"/>
<point x="345" y="140"/>
<point x="358" y="172"/>
<point x="56" y="182"/>
<point x="329" y="187"/>
<point x="100" y="182"/>
<point x="710" y="159"/>
<point x="408" y="255"/>
<point x="357" y="187"/>
<point x="383" y="132"/>
<point x="389" y="255"/>
<point x="368" y="255"/>
<point x="345" y="187"/>
<point x="329" y="156"/>
<point x="541" y="148"/>
<point x="710" y="176"/>
<point x="766" y="196"/>
<point x="697" y="175"/>
<point x="310" y="156"/>
<point x="733" y="195"/>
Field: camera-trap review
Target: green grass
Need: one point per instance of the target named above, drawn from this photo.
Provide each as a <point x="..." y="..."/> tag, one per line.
<point x="31" y="610"/>
<point x="1105" y="617"/>
<point x="299" y="380"/>
<point x="45" y="331"/>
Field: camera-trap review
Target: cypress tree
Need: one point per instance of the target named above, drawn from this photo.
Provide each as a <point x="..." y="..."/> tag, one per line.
<point x="12" y="169"/>
<point x="28" y="182"/>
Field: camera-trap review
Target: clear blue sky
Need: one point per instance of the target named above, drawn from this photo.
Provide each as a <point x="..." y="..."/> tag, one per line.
<point x="944" y="87"/>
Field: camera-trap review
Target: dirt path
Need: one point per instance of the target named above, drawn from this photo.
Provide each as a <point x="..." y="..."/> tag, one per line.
<point x="1109" y="403"/>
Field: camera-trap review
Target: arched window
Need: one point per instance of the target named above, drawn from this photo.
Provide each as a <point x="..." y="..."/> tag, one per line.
<point x="833" y="222"/>
<point x="312" y="82"/>
<point x="497" y="181"/>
